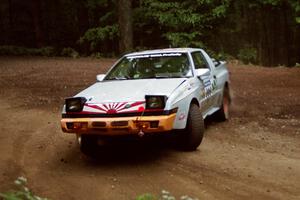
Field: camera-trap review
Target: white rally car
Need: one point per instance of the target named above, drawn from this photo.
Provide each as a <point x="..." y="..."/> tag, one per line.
<point x="156" y="91"/>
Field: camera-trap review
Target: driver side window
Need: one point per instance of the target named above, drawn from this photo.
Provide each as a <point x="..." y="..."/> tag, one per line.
<point x="199" y="61"/>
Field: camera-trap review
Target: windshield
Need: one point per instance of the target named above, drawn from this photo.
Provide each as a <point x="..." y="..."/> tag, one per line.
<point x="167" y="65"/>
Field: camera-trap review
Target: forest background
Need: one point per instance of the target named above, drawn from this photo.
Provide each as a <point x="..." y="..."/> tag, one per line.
<point x="264" y="32"/>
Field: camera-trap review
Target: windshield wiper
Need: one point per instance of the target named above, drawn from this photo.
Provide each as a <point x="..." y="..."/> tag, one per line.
<point x="117" y="78"/>
<point x="160" y="76"/>
<point x="181" y="76"/>
<point x="177" y="76"/>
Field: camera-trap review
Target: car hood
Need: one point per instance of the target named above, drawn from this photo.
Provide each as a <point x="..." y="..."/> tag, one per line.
<point x="129" y="90"/>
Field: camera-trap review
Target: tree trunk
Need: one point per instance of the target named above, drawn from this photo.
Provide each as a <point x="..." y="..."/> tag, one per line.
<point x="125" y="25"/>
<point x="36" y="14"/>
<point x="11" y="22"/>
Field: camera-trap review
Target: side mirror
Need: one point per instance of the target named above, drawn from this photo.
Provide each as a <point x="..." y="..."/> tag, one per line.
<point x="100" y="77"/>
<point x="216" y="62"/>
<point x="202" y="72"/>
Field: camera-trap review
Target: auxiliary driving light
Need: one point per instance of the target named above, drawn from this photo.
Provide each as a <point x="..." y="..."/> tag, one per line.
<point x="75" y="104"/>
<point x="155" y="102"/>
<point x="77" y="125"/>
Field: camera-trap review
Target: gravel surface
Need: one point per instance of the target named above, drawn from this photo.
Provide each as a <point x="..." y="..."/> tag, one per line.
<point x="254" y="155"/>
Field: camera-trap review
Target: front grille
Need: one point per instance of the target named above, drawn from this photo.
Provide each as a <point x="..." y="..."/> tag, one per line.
<point x="99" y="124"/>
<point x="70" y="125"/>
<point x="154" y="124"/>
<point x="119" y="123"/>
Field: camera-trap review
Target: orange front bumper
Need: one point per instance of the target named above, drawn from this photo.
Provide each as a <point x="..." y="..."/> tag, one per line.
<point x="118" y="125"/>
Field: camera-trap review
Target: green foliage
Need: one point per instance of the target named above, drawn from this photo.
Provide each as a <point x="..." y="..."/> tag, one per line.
<point x="220" y="11"/>
<point x="102" y="33"/>
<point x="296" y="6"/>
<point x="220" y="55"/>
<point x="165" y="195"/>
<point x="69" y="52"/>
<point x="184" y="39"/>
<point x="23" y="193"/>
<point x="248" y="55"/>
<point x="173" y="14"/>
<point x="146" y="197"/>
<point x="271" y="2"/>
<point x="97" y="55"/>
<point x="183" y="23"/>
<point x="297" y="65"/>
<point x="12" y="50"/>
<point x="219" y="26"/>
<point x="23" y="51"/>
<point x="96" y="36"/>
<point x="47" y="51"/>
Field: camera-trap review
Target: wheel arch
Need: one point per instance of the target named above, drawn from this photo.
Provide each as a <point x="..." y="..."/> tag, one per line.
<point x="227" y="87"/>
<point x="195" y="101"/>
<point x="184" y="107"/>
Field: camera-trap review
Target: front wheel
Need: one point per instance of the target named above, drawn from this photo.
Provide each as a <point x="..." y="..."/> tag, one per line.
<point x="87" y="144"/>
<point x="192" y="135"/>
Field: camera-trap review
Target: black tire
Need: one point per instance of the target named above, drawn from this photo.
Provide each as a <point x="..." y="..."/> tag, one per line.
<point x="88" y="144"/>
<point x="191" y="137"/>
<point x="223" y="113"/>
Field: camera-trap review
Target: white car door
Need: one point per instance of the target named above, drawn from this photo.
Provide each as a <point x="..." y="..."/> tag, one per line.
<point x="207" y="94"/>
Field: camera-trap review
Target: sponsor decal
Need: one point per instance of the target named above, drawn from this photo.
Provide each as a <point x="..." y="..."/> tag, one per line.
<point x="209" y="87"/>
<point x="214" y="84"/>
<point x="181" y="116"/>
<point x="154" y="55"/>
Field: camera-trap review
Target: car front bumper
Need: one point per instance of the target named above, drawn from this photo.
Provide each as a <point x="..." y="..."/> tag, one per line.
<point x="118" y="125"/>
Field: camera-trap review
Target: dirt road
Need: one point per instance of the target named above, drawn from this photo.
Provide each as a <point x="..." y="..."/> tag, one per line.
<point x="255" y="155"/>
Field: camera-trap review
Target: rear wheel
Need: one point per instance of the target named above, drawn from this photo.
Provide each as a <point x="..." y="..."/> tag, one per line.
<point x="88" y="144"/>
<point x="223" y="113"/>
<point x="191" y="137"/>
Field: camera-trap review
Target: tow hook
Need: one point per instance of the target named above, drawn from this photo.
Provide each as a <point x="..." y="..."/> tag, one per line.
<point x="141" y="133"/>
<point x="141" y="126"/>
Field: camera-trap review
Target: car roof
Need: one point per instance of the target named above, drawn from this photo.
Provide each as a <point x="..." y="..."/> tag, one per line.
<point x="168" y="50"/>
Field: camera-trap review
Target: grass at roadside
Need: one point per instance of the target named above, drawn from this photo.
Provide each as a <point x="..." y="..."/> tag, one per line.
<point x="24" y="193"/>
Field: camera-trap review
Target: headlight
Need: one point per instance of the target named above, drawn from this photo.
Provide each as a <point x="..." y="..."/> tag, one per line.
<point x="155" y="102"/>
<point x="75" y="104"/>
